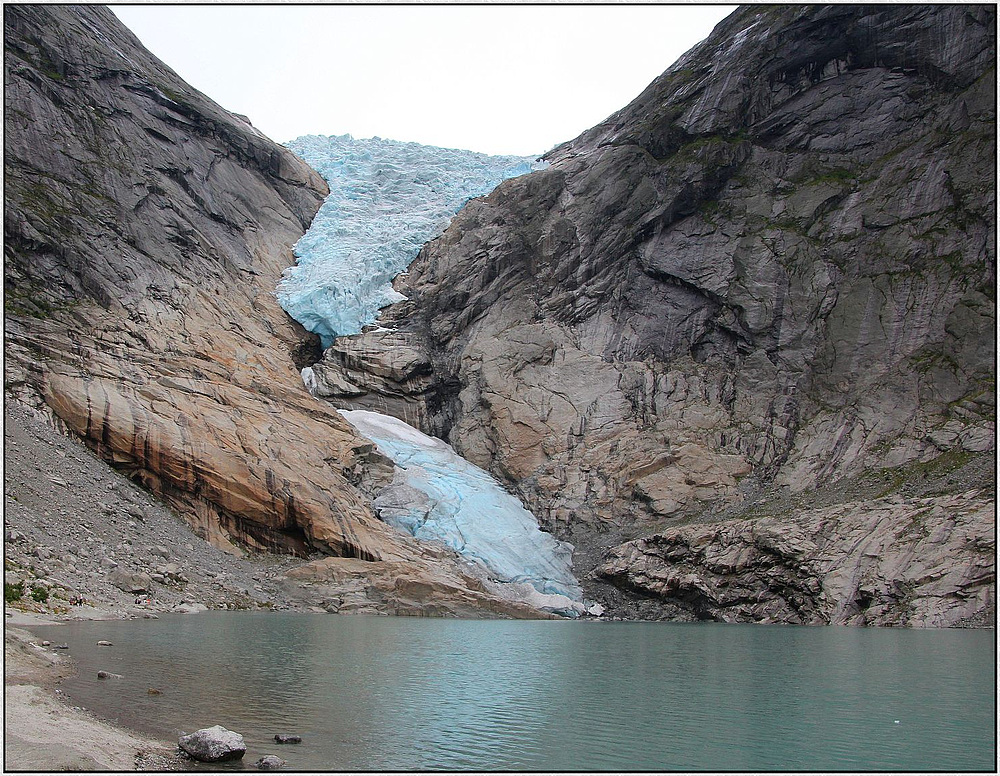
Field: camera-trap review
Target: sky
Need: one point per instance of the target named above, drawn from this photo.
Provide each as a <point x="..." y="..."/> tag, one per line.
<point x="499" y="79"/>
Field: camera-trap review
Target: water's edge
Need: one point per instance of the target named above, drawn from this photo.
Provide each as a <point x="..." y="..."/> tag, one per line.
<point x="402" y="693"/>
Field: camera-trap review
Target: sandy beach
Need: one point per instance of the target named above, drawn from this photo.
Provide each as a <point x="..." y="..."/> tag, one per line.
<point x="43" y="733"/>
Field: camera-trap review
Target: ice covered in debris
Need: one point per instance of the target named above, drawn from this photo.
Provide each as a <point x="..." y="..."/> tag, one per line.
<point x="387" y="199"/>
<point x="438" y="495"/>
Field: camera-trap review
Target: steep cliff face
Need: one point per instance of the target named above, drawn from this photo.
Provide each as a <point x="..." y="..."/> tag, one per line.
<point x="146" y="229"/>
<point x="773" y="270"/>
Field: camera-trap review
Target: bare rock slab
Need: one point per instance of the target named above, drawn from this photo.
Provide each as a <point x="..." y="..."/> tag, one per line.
<point x="214" y="744"/>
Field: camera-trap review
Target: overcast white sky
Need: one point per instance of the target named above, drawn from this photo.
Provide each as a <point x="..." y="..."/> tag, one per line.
<point x="501" y="79"/>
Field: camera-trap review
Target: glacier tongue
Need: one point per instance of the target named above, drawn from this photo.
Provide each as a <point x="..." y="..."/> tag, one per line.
<point x="438" y="495"/>
<point x="386" y="200"/>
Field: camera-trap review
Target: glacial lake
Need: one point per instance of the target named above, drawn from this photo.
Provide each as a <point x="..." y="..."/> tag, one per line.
<point x="397" y="693"/>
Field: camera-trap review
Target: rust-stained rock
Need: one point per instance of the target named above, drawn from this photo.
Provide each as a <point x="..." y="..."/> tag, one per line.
<point x="436" y="584"/>
<point x="146" y="230"/>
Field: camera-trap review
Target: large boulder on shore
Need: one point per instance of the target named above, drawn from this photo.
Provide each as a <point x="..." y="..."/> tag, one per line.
<point x="130" y="583"/>
<point x="214" y="744"/>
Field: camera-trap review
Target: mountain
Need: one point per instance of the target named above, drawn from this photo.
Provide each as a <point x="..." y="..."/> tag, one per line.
<point x="736" y="343"/>
<point x="146" y="229"/>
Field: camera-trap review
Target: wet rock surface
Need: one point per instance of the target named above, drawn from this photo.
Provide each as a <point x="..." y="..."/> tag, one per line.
<point x="269" y="763"/>
<point x="147" y="228"/>
<point x="60" y="527"/>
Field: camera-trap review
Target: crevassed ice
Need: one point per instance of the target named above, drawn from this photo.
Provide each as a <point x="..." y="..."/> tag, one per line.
<point x="387" y="199"/>
<point x="438" y="495"/>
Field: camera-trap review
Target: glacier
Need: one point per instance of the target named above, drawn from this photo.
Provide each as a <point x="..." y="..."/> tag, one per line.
<point x="387" y="198"/>
<point x="437" y="495"/>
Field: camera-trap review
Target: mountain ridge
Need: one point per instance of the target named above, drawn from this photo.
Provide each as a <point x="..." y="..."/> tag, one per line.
<point x="771" y="271"/>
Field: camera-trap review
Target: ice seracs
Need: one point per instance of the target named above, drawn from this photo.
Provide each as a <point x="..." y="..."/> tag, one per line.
<point x="438" y="495"/>
<point x="387" y="199"/>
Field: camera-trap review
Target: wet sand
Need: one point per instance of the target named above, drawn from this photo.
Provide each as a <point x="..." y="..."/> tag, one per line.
<point x="44" y="733"/>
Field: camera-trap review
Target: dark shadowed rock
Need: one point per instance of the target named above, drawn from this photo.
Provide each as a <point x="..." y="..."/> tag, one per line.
<point x="287" y="739"/>
<point x="146" y="228"/>
<point x="214" y="744"/>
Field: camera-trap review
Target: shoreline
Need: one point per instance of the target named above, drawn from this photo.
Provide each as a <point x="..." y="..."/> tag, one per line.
<point x="43" y="732"/>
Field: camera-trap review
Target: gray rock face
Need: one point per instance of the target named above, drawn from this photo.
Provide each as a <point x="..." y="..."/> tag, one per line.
<point x="896" y="561"/>
<point x="213" y="744"/>
<point x="774" y="268"/>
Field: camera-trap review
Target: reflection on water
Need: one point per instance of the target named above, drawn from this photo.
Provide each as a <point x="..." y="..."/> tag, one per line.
<point x="412" y="693"/>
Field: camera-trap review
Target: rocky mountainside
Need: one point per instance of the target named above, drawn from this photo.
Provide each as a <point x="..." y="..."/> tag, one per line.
<point x="773" y="272"/>
<point x="145" y="231"/>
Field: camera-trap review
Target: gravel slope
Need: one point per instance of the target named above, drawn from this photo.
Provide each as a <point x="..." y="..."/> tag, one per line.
<point x="72" y="525"/>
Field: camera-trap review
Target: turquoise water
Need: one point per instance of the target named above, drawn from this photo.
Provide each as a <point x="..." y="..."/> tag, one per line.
<point x="410" y="693"/>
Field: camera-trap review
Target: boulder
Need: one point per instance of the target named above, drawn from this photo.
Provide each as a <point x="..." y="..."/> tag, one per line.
<point x="214" y="744"/>
<point x="269" y="763"/>
<point x="190" y="608"/>
<point x="130" y="582"/>
<point x="287" y="739"/>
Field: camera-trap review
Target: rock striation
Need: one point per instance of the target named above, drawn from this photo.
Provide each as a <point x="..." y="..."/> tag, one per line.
<point x="146" y="229"/>
<point x="927" y="562"/>
<point x="774" y="269"/>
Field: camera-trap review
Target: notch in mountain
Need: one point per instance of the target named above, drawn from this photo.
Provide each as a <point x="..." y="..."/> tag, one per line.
<point x="764" y="288"/>
<point x="146" y="230"/>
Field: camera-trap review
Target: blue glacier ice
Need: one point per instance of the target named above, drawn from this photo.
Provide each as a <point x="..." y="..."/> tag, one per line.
<point x="387" y="199"/>
<point x="438" y="495"/>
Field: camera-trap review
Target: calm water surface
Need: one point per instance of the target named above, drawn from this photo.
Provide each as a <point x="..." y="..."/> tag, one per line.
<point x="408" y="693"/>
